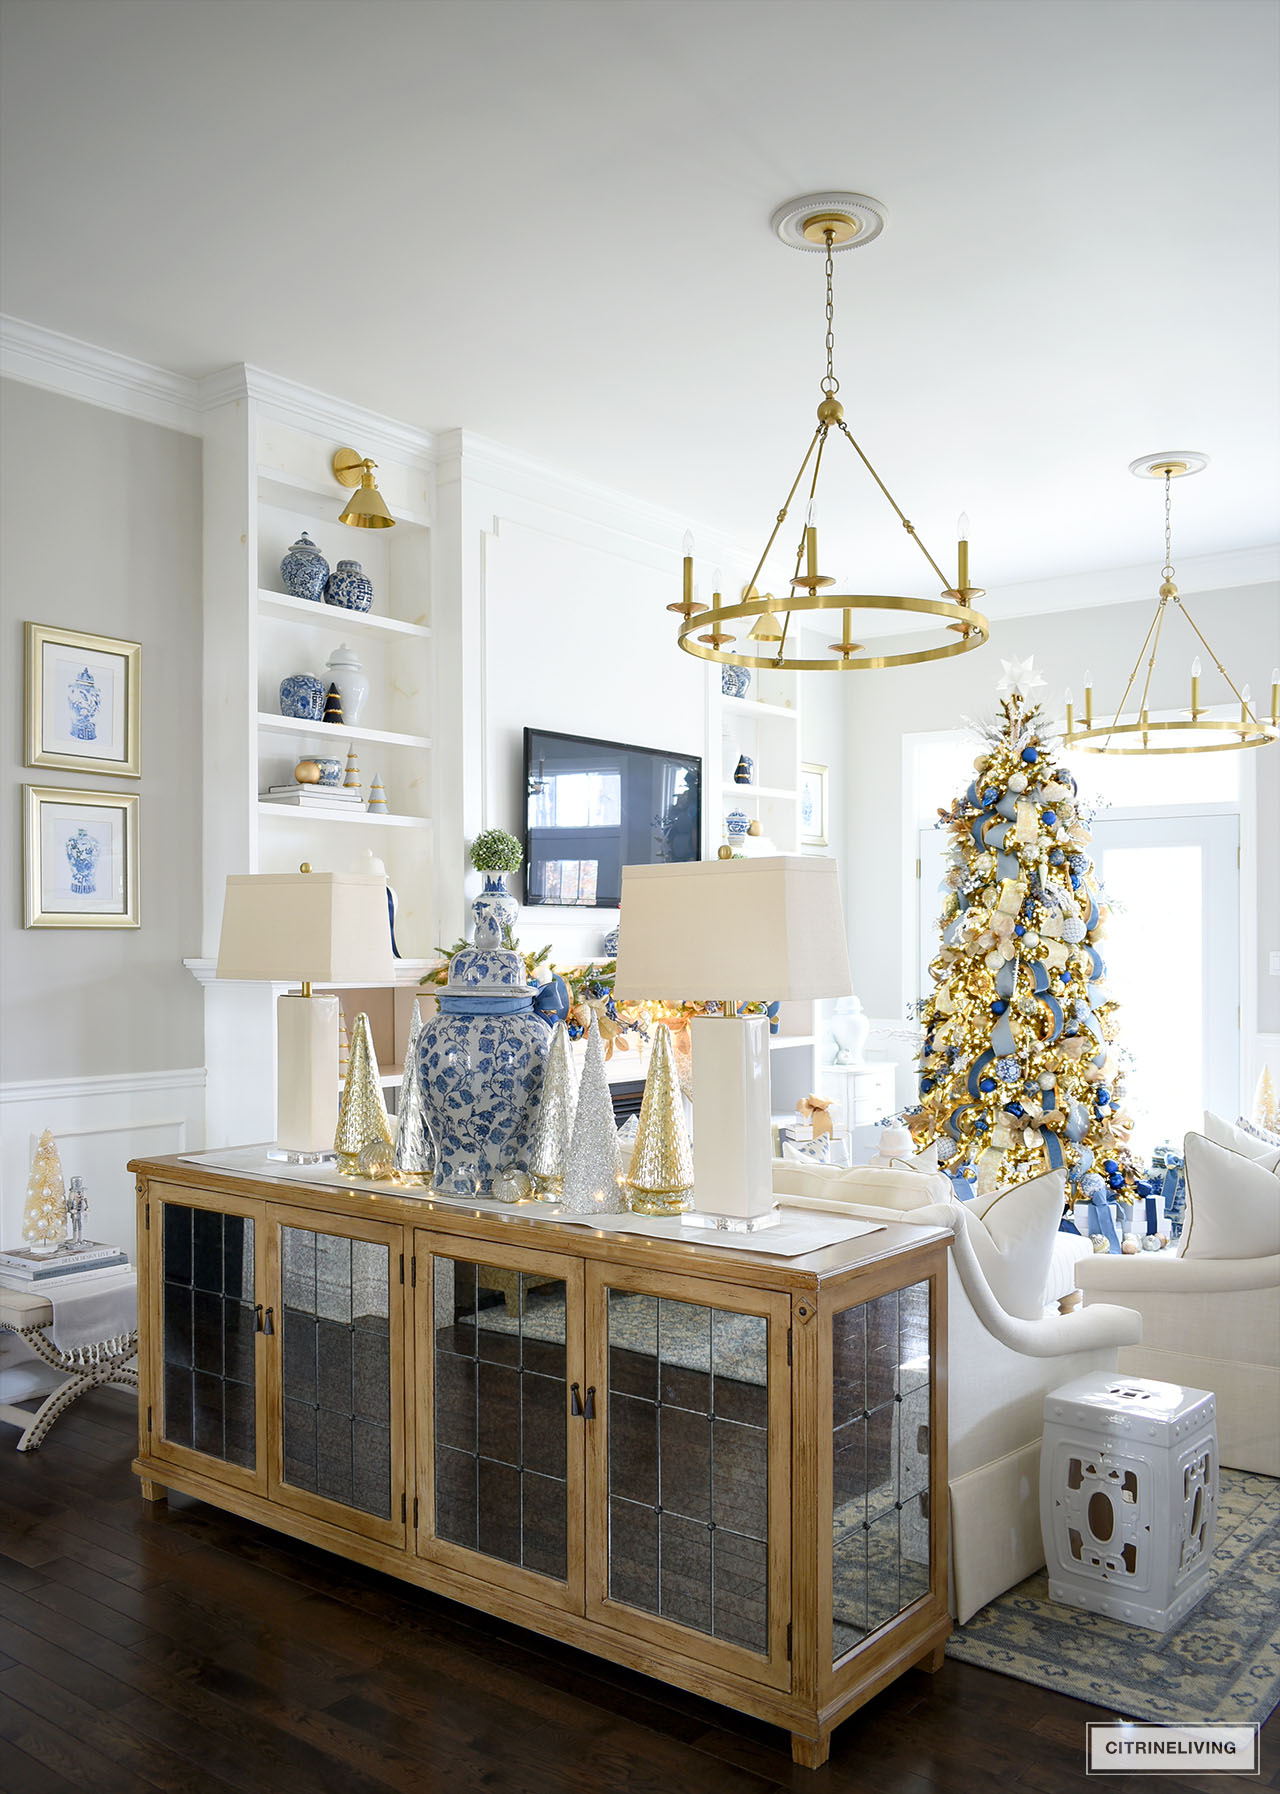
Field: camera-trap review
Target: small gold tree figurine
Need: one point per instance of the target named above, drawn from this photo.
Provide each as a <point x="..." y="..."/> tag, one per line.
<point x="44" y="1220"/>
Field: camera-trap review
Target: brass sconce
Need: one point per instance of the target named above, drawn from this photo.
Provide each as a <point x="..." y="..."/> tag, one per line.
<point x="366" y="509"/>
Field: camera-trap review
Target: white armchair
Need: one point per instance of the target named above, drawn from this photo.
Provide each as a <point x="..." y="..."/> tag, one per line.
<point x="1209" y="1320"/>
<point x="1000" y="1367"/>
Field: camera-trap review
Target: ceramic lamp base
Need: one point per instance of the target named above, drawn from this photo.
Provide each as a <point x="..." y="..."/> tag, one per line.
<point x="306" y="1076"/>
<point x="732" y="1122"/>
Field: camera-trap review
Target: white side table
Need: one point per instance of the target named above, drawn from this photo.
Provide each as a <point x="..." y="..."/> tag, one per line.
<point x="94" y="1340"/>
<point x="865" y="1092"/>
<point x="1129" y="1496"/>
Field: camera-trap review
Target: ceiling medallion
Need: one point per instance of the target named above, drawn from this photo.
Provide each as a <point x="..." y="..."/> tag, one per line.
<point x="1195" y="731"/>
<point x="825" y="223"/>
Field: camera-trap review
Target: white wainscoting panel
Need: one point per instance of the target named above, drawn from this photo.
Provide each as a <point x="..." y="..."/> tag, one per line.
<point x="99" y="1125"/>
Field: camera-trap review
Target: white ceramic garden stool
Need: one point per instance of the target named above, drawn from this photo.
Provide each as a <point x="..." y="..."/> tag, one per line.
<point x="1129" y="1496"/>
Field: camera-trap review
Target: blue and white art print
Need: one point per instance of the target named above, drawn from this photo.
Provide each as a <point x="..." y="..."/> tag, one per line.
<point x="82" y="859"/>
<point x="813" y="806"/>
<point x="82" y="701"/>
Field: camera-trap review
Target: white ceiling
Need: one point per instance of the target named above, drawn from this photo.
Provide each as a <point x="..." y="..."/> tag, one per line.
<point x="547" y="220"/>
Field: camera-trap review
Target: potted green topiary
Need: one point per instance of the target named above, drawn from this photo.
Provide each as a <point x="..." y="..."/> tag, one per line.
<point x="495" y="852"/>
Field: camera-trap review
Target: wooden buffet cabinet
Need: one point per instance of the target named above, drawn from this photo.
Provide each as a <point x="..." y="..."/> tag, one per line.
<point x="721" y="1467"/>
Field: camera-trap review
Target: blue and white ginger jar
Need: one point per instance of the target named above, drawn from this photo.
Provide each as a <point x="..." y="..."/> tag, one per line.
<point x="735" y="682"/>
<point x="738" y="823"/>
<point x="348" y="587"/>
<point x="483" y="1055"/>
<point x="304" y="570"/>
<point x="82" y="856"/>
<point x="83" y="699"/>
<point x="302" y="694"/>
<point x="495" y="910"/>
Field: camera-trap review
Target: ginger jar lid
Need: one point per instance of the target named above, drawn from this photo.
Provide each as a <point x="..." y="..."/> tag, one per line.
<point x="487" y="972"/>
<point x="304" y="545"/>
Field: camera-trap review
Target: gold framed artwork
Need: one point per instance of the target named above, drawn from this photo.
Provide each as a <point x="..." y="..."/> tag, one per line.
<point x="813" y="806"/>
<point x="84" y="701"/>
<point x="81" y="858"/>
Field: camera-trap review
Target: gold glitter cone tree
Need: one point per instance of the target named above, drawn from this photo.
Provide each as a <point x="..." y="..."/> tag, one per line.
<point x="44" y="1219"/>
<point x="415" y="1153"/>
<point x="593" y="1172"/>
<point x="553" y="1128"/>
<point x="1019" y="1071"/>
<point x="660" y="1179"/>
<point x="1266" y="1106"/>
<point x="363" y="1142"/>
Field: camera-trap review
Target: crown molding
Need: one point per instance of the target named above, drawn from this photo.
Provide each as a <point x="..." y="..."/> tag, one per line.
<point x="79" y="370"/>
<point x="1127" y="585"/>
<point x="292" y="403"/>
<point x="521" y="475"/>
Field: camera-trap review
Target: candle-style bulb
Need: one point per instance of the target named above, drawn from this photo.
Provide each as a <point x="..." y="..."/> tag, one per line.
<point x="715" y="582"/>
<point x="1067" y="697"/>
<point x="1275" y="675"/>
<point x="1195" y="667"/>
<point x="1088" y="680"/>
<point x="686" y="547"/>
<point x="1246" y="696"/>
<point x="811" y="514"/>
<point x="962" y="527"/>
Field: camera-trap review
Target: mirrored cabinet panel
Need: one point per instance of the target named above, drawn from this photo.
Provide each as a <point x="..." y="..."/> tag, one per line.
<point x="501" y="1404"/>
<point x="881" y="1394"/>
<point x="336" y="1368"/>
<point x="208" y="1319"/>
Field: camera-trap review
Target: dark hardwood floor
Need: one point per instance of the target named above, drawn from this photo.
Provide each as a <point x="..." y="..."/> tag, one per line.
<point x="180" y="1648"/>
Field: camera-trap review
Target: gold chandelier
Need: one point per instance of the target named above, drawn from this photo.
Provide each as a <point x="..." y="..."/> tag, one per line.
<point x="826" y="222"/>
<point x="1194" y="732"/>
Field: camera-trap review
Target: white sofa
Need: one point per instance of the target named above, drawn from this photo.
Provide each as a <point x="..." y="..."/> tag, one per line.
<point x="1211" y="1321"/>
<point x="1000" y="1367"/>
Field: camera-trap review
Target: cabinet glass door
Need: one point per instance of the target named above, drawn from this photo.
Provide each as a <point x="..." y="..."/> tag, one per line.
<point x="882" y="1392"/>
<point x="501" y="1441"/>
<point x="338" y="1371"/>
<point x="688" y="1510"/>
<point x="206" y="1333"/>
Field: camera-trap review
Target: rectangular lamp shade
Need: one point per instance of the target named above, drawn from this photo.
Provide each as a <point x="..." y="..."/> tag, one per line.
<point x="298" y="927"/>
<point x="755" y="930"/>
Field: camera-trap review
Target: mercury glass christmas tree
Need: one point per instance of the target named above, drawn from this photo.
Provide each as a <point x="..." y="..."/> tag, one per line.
<point x="593" y="1169"/>
<point x="1018" y="1068"/>
<point x="44" y="1220"/>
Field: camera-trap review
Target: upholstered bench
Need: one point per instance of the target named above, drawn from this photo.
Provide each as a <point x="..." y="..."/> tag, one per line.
<point x="96" y="1322"/>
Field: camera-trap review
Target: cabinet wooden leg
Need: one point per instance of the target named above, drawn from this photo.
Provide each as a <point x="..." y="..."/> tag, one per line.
<point x="153" y="1491"/>
<point x="935" y="1659"/>
<point x="810" y="1753"/>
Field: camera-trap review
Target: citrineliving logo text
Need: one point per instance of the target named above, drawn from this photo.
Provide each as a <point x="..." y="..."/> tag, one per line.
<point x="1121" y="1747"/>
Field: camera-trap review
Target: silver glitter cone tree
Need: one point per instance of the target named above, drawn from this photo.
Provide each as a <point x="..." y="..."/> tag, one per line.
<point x="593" y="1174"/>
<point x="553" y="1129"/>
<point x="415" y="1154"/>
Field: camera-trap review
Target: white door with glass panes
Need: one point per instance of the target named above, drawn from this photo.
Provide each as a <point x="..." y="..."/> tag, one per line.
<point x="1172" y="953"/>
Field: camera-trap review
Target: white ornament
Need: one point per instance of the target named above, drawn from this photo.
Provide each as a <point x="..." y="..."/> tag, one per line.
<point x="1018" y="781"/>
<point x="1020" y="676"/>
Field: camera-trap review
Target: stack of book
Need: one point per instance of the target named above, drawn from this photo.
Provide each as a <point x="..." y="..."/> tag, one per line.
<point x="26" y="1267"/>
<point x="316" y="797"/>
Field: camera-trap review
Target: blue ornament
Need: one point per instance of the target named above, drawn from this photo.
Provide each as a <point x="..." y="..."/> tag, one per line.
<point x="1102" y="1096"/>
<point x="1110" y="1167"/>
<point x="1050" y="818"/>
<point x="1019" y="929"/>
<point x="926" y="1085"/>
<point x="1143" y="1188"/>
<point x="1056" y="856"/>
<point x="1078" y="862"/>
<point x="982" y="1124"/>
<point x="986" y="1085"/>
<point x="1117" y="1183"/>
<point x="1030" y="755"/>
<point x="1014" y="1109"/>
<point x="1008" y="1069"/>
<point x="999" y="1006"/>
<point x="989" y="796"/>
<point x="1091" y="1185"/>
<point x="1075" y="881"/>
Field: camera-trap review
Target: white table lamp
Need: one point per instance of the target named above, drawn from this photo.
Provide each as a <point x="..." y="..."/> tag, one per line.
<point x="735" y="931"/>
<point x="306" y="927"/>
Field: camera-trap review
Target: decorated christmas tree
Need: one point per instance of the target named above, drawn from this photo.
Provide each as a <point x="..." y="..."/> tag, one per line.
<point x="44" y="1220"/>
<point x="1018" y="1068"/>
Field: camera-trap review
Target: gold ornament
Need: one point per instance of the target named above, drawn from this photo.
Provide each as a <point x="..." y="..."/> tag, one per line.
<point x="362" y="1119"/>
<point x="660" y="1178"/>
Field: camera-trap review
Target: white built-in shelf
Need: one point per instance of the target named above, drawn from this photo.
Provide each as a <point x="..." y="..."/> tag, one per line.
<point x="754" y="707"/>
<point x="336" y="617"/>
<point x="363" y="817"/>
<point x="322" y="731"/>
<point x="778" y="1041"/>
<point x="760" y="791"/>
<point x="292" y="492"/>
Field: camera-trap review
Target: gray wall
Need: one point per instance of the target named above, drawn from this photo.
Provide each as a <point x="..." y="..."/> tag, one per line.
<point x="100" y="522"/>
<point x="1244" y="627"/>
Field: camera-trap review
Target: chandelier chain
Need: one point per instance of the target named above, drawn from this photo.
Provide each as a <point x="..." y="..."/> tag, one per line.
<point x="830" y="385"/>
<point x="1166" y="572"/>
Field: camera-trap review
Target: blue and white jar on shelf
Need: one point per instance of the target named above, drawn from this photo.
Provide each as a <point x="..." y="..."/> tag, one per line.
<point x="735" y="682"/>
<point x="304" y="570"/>
<point x="302" y="694"/>
<point x="737" y="823"/>
<point x="495" y="911"/>
<point x="483" y="1055"/>
<point x="348" y="587"/>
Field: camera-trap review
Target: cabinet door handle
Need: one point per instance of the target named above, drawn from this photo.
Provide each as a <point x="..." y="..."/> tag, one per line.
<point x="257" y="1317"/>
<point x="575" y="1401"/>
<point x="268" y="1325"/>
<point x="590" y="1410"/>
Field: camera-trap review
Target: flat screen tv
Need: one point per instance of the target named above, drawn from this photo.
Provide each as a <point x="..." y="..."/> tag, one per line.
<point x="593" y="807"/>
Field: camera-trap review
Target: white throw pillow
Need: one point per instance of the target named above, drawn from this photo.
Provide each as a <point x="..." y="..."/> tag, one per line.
<point x="1235" y="1139"/>
<point x="1012" y="1233"/>
<point x="1233" y="1202"/>
<point x="904" y="1184"/>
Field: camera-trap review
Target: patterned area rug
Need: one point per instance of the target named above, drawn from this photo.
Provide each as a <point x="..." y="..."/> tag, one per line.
<point x="1221" y="1664"/>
